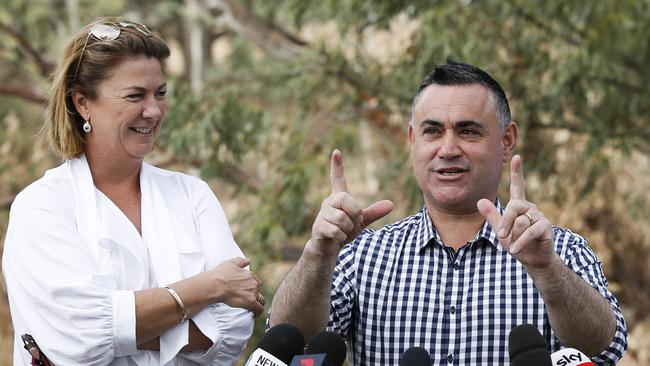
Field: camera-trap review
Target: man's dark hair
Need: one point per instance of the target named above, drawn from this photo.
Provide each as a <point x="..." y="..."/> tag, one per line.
<point x="458" y="73"/>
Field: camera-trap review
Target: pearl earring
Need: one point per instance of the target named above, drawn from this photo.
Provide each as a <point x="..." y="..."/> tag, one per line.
<point x="87" y="127"/>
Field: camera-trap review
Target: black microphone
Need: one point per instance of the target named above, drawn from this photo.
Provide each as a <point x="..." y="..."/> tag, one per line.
<point x="325" y="349"/>
<point x="415" y="356"/>
<point x="277" y="346"/>
<point x="527" y="347"/>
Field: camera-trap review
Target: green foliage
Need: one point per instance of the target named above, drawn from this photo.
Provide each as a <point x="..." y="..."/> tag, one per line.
<point x="262" y="127"/>
<point x="212" y="127"/>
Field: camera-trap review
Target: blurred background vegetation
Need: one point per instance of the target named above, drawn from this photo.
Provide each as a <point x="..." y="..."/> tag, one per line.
<point x="262" y="91"/>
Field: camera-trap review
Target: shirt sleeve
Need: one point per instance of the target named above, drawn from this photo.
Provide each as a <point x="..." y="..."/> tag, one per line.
<point x="228" y="328"/>
<point x="75" y="314"/>
<point x="583" y="261"/>
<point x="343" y="293"/>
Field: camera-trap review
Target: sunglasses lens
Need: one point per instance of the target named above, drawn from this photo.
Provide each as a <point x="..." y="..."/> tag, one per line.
<point x="109" y="32"/>
<point x="139" y="27"/>
<point x="104" y="32"/>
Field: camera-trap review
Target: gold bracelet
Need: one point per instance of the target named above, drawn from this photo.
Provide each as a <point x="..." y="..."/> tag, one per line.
<point x="178" y="301"/>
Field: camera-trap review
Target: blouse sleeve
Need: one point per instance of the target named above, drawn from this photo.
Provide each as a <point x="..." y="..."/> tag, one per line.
<point x="75" y="314"/>
<point x="229" y="328"/>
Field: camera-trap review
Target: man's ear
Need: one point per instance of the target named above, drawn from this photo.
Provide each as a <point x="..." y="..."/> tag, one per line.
<point x="509" y="140"/>
<point x="81" y="104"/>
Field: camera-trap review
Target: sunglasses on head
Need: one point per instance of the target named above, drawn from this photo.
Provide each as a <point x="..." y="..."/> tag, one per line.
<point x="109" y="32"/>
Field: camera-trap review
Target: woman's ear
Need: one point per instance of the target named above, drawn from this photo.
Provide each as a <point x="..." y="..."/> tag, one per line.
<point x="81" y="104"/>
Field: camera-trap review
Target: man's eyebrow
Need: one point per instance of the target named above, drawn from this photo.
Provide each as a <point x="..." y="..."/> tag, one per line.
<point x="469" y="123"/>
<point x="431" y="122"/>
<point x="459" y="124"/>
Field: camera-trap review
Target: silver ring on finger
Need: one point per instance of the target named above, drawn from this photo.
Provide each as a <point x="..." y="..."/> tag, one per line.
<point x="260" y="298"/>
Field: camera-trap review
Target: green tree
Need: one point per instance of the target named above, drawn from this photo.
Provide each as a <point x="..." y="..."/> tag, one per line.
<point x="268" y="89"/>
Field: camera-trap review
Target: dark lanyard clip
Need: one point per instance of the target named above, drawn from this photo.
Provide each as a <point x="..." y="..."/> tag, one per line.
<point x="38" y="358"/>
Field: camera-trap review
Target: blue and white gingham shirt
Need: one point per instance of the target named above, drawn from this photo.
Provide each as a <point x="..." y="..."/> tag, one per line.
<point x="400" y="287"/>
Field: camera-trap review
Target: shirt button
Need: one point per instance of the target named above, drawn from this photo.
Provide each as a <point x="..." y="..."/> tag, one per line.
<point x="452" y="309"/>
<point x="456" y="266"/>
<point x="450" y="358"/>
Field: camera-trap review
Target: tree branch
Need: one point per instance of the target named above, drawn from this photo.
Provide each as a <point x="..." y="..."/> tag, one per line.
<point x="45" y="67"/>
<point x="626" y="59"/>
<point x="544" y="26"/>
<point x="273" y="40"/>
<point x="216" y="34"/>
<point x="23" y="92"/>
<point x="348" y="75"/>
<point x="282" y="45"/>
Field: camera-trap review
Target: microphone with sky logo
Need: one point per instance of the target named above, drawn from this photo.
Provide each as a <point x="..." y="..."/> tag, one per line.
<point x="570" y="357"/>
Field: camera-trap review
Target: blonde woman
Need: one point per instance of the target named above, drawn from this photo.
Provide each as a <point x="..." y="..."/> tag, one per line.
<point x="109" y="260"/>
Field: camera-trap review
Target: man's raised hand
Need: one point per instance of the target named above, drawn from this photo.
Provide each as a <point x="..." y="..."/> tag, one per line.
<point x="340" y="218"/>
<point x="523" y="229"/>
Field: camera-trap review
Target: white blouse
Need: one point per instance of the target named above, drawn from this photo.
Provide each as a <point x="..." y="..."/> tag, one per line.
<point x="72" y="261"/>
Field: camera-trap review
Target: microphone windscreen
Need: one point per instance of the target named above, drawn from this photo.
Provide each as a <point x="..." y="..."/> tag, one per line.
<point x="329" y="343"/>
<point x="570" y="357"/>
<point x="415" y="356"/>
<point x="283" y="341"/>
<point x="526" y="346"/>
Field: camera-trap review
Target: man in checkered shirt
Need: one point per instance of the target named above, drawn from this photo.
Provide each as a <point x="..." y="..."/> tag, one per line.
<point x="457" y="276"/>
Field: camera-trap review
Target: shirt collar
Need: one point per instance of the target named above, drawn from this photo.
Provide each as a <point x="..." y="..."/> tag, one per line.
<point x="430" y="234"/>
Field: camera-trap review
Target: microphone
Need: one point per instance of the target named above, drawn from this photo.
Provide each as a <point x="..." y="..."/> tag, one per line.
<point x="570" y="357"/>
<point x="325" y="349"/>
<point x="277" y="346"/>
<point x="527" y="347"/>
<point x="415" y="356"/>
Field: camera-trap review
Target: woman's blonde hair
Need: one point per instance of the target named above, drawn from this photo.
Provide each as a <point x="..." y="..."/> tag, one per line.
<point x="87" y="61"/>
